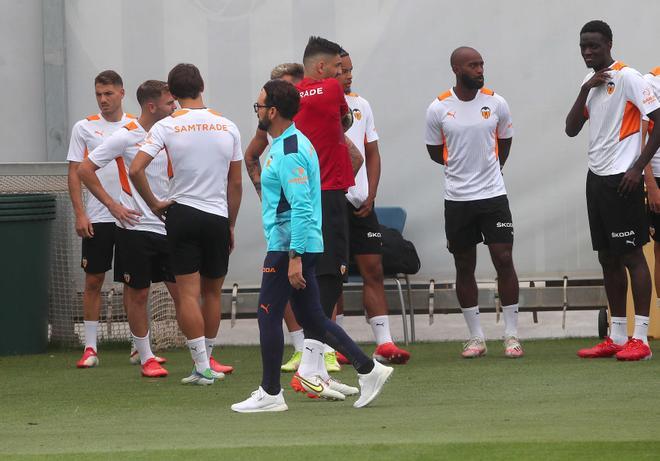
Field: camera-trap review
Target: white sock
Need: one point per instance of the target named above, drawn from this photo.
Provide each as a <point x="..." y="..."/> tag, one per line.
<point x="320" y="365"/>
<point x="380" y="326"/>
<point x="209" y="343"/>
<point x="619" y="330"/>
<point x="308" y="363"/>
<point x="641" y="328"/>
<point x="510" y="314"/>
<point x="143" y="347"/>
<point x="340" y="320"/>
<point x="327" y="349"/>
<point x="471" y="316"/>
<point x="197" y="348"/>
<point x="297" y="339"/>
<point x="91" y="328"/>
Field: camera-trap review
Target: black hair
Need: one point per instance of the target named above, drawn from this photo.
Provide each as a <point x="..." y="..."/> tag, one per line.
<point x="283" y="96"/>
<point x="185" y="81"/>
<point x="598" y="26"/>
<point x="343" y="53"/>
<point x="317" y="45"/>
<point x="109" y="77"/>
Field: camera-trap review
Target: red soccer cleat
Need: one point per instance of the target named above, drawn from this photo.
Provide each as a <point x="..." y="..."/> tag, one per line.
<point x="153" y="369"/>
<point x="220" y="368"/>
<point x="88" y="359"/>
<point x="634" y="349"/>
<point x="341" y="358"/>
<point x="607" y="348"/>
<point x="390" y="353"/>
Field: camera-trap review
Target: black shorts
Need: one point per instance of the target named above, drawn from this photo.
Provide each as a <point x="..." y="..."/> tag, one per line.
<point x="474" y="221"/>
<point x="365" y="236"/>
<point x="334" y="260"/>
<point x="198" y="241"/>
<point x="616" y="223"/>
<point x="654" y="220"/>
<point x="97" y="251"/>
<point x="141" y="257"/>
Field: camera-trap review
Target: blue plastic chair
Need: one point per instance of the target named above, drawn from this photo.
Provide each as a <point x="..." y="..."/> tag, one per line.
<point x="395" y="218"/>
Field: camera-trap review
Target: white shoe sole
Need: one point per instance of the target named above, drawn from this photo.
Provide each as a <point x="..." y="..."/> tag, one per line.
<point x="269" y="408"/>
<point x="197" y="381"/>
<point x="382" y="379"/>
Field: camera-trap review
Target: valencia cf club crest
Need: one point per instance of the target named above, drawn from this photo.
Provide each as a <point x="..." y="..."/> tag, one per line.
<point x="127" y="277"/>
<point x="342" y="269"/>
<point x="485" y="112"/>
<point x="357" y="114"/>
<point x="610" y="87"/>
<point x="83" y="263"/>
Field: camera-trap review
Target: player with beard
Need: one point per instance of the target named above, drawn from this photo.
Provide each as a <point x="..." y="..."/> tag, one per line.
<point x="469" y="132"/>
<point x="291" y="212"/>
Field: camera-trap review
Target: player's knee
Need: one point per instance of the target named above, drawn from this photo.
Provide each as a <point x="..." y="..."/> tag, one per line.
<point x="94" y="282"/>
<point x="503" y="260"/>
<point x="372" y="274"/>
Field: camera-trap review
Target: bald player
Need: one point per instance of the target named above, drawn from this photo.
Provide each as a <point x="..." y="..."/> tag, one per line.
<point x="469" y="132"/>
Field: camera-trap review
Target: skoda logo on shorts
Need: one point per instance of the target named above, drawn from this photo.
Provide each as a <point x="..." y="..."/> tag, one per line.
<point x="485" y="112"/>
<point x="610" y="87"/>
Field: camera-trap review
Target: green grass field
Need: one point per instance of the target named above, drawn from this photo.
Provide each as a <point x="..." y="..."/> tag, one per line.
<point x="548" y="405"/>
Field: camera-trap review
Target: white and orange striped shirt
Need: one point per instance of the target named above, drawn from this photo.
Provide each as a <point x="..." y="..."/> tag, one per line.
<point x="362" y="132"/>
<point x="653" y="78"/>
<point x="121" y="149"/>
<point x="615" y="111"/>
<point x="201" y="144"/>
<point x="468" y="132"/>
<point x="87" y="135"/>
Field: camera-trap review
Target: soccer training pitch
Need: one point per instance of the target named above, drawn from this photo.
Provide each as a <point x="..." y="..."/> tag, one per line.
<point x="550" y="405"/>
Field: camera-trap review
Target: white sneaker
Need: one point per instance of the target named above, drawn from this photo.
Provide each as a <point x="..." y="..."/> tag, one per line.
<point x="345" y="389"/>
<point x="259" y="401"/>
<point x="372" y="383"/>
<point x="316" y="387"/>
<point x="474" y="347"/>
<point x="201" y="379"/>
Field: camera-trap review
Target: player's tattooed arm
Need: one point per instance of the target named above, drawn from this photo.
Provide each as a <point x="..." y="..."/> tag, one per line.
<point x="435" y="152"/>
<point x="354" y="153"/>
<point x="254" y="150"/>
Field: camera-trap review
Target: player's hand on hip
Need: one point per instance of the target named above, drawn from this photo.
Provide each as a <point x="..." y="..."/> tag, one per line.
<point x="598" y="79"/>
<point x="630" y="181"/>
<point x="125" y="216"/>
<point x="84" y="228"/>
<point x="296" y="278"/>
<point x="160" y="208"/>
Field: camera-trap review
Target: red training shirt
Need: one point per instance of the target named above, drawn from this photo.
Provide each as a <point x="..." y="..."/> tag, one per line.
<point x="322" y="105"/>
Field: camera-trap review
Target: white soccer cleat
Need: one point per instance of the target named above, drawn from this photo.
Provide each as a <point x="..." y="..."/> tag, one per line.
<point x="372" y="384"/>
<point x="260" y="401"/>
<point x="474" y="347"/>
<point x="345" y="389"/>
<point x="315" y="387"/>
<point x="201" y="379"/>
<point x="217" y="374"/>
<point x="512" y="347"/>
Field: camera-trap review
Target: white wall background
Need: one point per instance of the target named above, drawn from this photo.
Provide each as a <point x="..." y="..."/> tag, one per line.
<point x="400" y="50"/>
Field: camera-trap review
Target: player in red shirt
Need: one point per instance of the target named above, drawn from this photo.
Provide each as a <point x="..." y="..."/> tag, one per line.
<point x="323" y="117"/>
